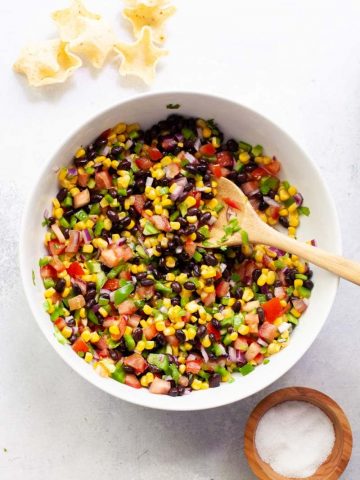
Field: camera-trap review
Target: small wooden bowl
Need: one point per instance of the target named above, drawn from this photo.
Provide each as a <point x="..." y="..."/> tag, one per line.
<point x="337" y="461"/>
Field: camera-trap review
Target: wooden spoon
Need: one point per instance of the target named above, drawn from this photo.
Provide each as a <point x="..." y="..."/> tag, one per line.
<point x="259" y="232"/>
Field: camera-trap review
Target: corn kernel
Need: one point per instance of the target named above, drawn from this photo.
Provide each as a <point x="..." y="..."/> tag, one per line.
<point x="169" y="331"/>
<point x="191" y="218"/>
<point x="233" y="336"/>
<point x="243" y="329"/>
<point x="292" y="231"/>
<point x="273" y="348"/>
<point x="261" y="280"/>
<point x="283" y="212"/>
<point x="295" y="313"/>
<point x="298" y="283"/>
<point x="66" y="292"/>
<point x="88" y="248"/>
<point x="86" y="334"/>
<point x="94" y="338"/>
<point x="149" y="345"/>
<point x="244" y="158"/>
<point x="270" y="278"/>
<point x="292" y="190"/>
<point x="196" y="384"/>
<point x="170" y="262"/>
<point x="190" y="201"/>
<point x="140" y="346"/>
<point x="58" y="212"/>
<point x="182" y="368"/>
<point x="206" y="342"/>
<point x="49" y="292"/>
<point x="204" y="386"/>
<point x="179" y="325"/>
<point x="160" y="326"/>
<point x="82" y="312"/>
<point x="192" y="307"/>
<point x="206" y="132"/>
<point x="114" y="330"/>
<point x="88" y="357"/>
<point x="147" y="310"/>
<point x="67" y="332"/>
<point x="293" y="207"/>
<point x="248" y="294"/>
<point x="190" y="333"/>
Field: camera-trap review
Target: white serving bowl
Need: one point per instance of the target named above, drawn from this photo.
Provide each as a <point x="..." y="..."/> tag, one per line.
<point x="236" y="121"/>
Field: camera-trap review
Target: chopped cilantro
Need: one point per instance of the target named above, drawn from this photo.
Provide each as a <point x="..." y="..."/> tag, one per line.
<point x="33" y="277"/>
<point x="173" y="106"/>
<point x="304" y="211"/>
<point x="267" y="184"/>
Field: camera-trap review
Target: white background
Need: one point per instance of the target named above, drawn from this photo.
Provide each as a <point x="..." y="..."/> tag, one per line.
<point x="296" y="62"/>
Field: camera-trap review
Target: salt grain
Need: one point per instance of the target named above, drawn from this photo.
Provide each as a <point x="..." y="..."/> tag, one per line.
<point x="295" y="438"/>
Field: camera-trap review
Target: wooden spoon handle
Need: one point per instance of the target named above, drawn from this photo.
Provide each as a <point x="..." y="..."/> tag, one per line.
<point x="329" y="261"/>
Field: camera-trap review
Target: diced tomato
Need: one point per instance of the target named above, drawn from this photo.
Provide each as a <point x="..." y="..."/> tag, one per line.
<point x="208" y="299"/>
<point x="121" y="324"/>
<point x="222" y="288"/>
<point x="127" y="307"/>
<point x="193" y="367"/>
<point x="259" y="173"/>
<point x="150" y="332"/>
<point x="137" y="362"/>
<point x="299" y="305"/>
<point x="139" y="203"/>
<point x="190" y="247"/>
<point x="133" y="321"/>
<point x="241" y="344"/>
<point x="272" y="309"/>
<point x="252" y="351"/>
<point x="274" y="167"/>
<point x="111" y="284"/>
<point x="56" y="297"/>
<point x="250" y="188"/>
<point x="207" y="149"/>
<point x="103" y="180"/>
<point x="259" y="358"/>
<point x="267" y="331"/>
<point x="280" y="293"/>
<point x="186" y="318"/>
<point x="74" y="242"/>
<point x="113" y="255"/>
<point x="47" y="271"/>
<point x="252" y="321"/>
<point x="273" y="212"/>
<point x="82" y="198"/>
<point x="154" y="154"/>
<point x="197" y="196"/>
<point x="159" y="386"/>
<point x="80" y="346"/>
<point x="232" y="203"/>
<point x="172" y="340"/>
<point x="75" y="269"/>
<point x="132" y="381"/>
<point x="55" y="247"/>
<point x="211" y="329"/>
<point x="225" y="159"/>
<point x="60" y="323"/>
<point x="172" y="170"/>
<point x="76" y="302"/>
<point x="143" y="163"/>
<point x="145" y="292"/>
<point x="245" y="271"/>
<point x="160" y="222"/>
<point x="82" y="179"/>
<point x="125" y="275"/>
<point x="219" y="171"/>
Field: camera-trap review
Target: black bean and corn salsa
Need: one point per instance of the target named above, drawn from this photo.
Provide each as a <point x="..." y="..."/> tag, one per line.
<point x="127" y="283"/>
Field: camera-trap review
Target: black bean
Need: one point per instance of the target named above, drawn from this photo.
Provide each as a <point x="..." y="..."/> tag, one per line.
<point x="114" y="354"/>
<point x="239" y="292"/>
<point x="205" y="218"/>
<point x="125" y="222"/>
<point x="250" y="167"/>
<point x="214" y="380"/>
<point x="113" y="216"/>
<point x="241" y="178"/>
<point x="128" y="369"/>
<point x="196" y="271"/>
<point x="237" y="306"/>
<point x="60" y="285"/>
<point x="173" y="392"/>
<point x="309" y="273"/>
<point x="95" y="197"/>
<point x="91" y="286"/>
<point x="153" y="369"/>
<point x="269" y="296"/>
<point x="216" y="324"/>
<point x="71" y="322"/>
<point x="115" y="151"/>
<point x="256" y="274"/>
<point x="81" y="162"/>
<point x="90" y="294"/>
<point x="62" y="194"/>
<point x="193" y="211"/>
<point x="308" y="284"/>
<point x="261" y="314"/>
<point x="51" y="220"/>
<point x="105" y="296"/>
<point x="201" y="331"/>
<point x="284" y="221"/>
<point x="190" y="229"/>
<point x="181" y="390"/>
<point x="160" y="339"/>
<point x="189" y="286"/>
<point x="200" y="237"/>
<point x="180" y="335"/>
<point x="176" y="287"/>
<point x="113" y="192"/>
<point x="73" y="338"/>
<point x="175" y="301"/>
<point x="76" y="289"/>
<point x="137" y="334"/>
<point x="100" y="142"/>
<point x="232" y="145"/>
<point x="147" y="282"/>
<point x="182" y="221"/>
<point x="263" y="205"/>
<point x="226" y="275"/>
<point x="207" y="196"/>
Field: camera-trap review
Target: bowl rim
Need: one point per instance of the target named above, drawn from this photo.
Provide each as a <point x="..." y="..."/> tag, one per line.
<point x="68" y="136"/>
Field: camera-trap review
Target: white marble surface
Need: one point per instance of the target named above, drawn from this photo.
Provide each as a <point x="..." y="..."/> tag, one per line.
<point x="296" y="62"/>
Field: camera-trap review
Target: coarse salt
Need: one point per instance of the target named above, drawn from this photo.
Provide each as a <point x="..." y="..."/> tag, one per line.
<point x="295" y="438"/>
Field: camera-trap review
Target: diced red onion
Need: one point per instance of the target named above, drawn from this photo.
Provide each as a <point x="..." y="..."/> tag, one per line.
<point x="236" y="355"/>
<point x="265" y="289"/>
<point x="149" y="181"/>
<point x="74" y="241"/>
<point x="199" y="132"/>
<point x="223" y="267"/>
<point x="262" y="342"/>
<point x="222" y="348"/>
<point x="299" y="305"/>
<point x="72" y="172"/>
<point x="46" y="213"/>
<point x="56" y="229"/>
<point x="314" y="242"/>
<point x="179" y="137"/>
<point x="204" y="354"/>
<point x="105" y="150"/>
<point x="82" y="285"/>
<point x="283" y="327"/>
<point x="197" y="144"/>
<point x="180" y="185"/>
<point x="121" y="241"/>
<point x="112" y="297"/>
<point x="212" y="220"/>
<point x="190" y="158"/>
<point x="270" y="201"/>
<point x="279" y="292"/>
<point x="230" y="213"/>
<point x="278" y="252"/>
<point x="178" y="249"/>
<point x="86" y="236"/>
<point x="128" y="143"/>
<point x="168" y="143"/>
<point x="298" y="199"/>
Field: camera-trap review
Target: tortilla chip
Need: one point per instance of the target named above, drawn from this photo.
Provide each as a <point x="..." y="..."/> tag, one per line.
<point x="87" y="33"/>
<point x="140" y="58"/>
<point x="151" y="15"/>
<point x="48" y="62"/>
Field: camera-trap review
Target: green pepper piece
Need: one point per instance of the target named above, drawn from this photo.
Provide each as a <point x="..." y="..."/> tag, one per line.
<point x="64" y="223"/>
<point x="92" y="317"/>
<point x="100" y="280"/>
<point x="138" y="147"/>
<point x="238" y="321"/>
<point x="174" y="216"/>
<point x="197" y="256"/>
<point x="119" y="374"/>
<point x="149" y="229"/>
<point x="246" y="147"/>
<point x="204" y="230"/>
<point x="304" y="211"/>
<point x="48" y="282"/>
<point x="292" y="319"/>
<point x="130" y="342"/>
<point x="246" y="369"/>
<point x="304" y="292"/>
<point x="98" y="228"/>
<point x="81" y="215"/>
<point x="187" y="133"/>
<point x="68" y="201"/>
<point x="94" y="267"/>
<point x="257" y="150"/>
<point x="122" y="192"/>
<point x="159" y="360"/>
<point x="218" y="351"/>
<point x="162" y="288"/>
<point x="134" y="134"/>
<point x="123" y="292"/>
<point x="58" y="312"/>
<point x="174" y="372"/>
<point x="44" y="261"/>
<point x="95" y="209"/>
<point x="114" y="272"/>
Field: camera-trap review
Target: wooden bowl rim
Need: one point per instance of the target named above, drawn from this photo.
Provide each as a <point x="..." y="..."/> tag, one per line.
<point x="343" y="443"/>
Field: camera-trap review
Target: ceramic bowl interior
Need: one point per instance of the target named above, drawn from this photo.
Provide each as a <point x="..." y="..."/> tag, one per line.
<point x="236" y="121"/>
